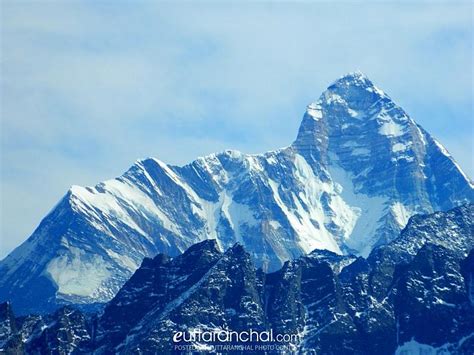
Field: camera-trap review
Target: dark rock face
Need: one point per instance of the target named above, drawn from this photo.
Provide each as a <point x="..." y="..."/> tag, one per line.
<point x="431" y="300"/>
<point x="339" y="304"/>
<point x="414" y="293"/>
<point x="67" y="331"/>
<point x="225" y="297"/>
<point x="10" y="339"/>
<point x="156" y="283"/>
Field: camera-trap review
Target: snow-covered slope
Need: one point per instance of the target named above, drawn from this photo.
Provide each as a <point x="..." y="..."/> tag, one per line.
<point x="359" y="168"/>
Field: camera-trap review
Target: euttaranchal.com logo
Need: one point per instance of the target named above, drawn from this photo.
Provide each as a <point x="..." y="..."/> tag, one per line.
<point x="224" y="339"/>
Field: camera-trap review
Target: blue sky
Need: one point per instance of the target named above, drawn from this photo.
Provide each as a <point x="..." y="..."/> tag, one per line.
<point x="89" y="87"/>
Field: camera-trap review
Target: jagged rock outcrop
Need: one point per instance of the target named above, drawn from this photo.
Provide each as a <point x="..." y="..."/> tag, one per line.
<point x="413" y="294"/>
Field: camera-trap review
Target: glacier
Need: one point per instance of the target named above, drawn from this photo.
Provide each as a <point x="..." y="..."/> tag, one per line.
<point x="358" y="169"/>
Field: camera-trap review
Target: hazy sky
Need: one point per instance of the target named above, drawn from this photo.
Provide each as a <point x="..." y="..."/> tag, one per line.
<point x="89" y="87"/>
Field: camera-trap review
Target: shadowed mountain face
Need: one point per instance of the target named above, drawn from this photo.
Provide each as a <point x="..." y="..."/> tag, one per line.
<point x="414" y="294"/>
<point x="358" y="169"/>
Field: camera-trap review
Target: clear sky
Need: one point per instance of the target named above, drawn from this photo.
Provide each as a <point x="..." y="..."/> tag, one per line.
<point x="88" y="87"/>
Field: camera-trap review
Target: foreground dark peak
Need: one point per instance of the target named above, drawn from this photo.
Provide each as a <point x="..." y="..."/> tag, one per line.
<point x="414" y="299"/>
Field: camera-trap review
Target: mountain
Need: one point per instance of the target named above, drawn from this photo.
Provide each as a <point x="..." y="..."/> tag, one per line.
<point x="358" y="169"/>
<point x="323" y="297"/>
<point x="399" y="300"/>
<point x="66" y="331"/>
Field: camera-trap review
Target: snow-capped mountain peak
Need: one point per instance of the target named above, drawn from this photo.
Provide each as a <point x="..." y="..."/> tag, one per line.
<point x="358" y="169"/>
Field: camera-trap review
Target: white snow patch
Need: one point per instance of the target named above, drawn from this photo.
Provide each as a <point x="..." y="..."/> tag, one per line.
<point x="309" y="210"/>
<point x="332" y="97"/>
<point x="400" y="147"/>
<point x="342" y="215"/>
<point x="391" y="129"/>
<point x="235" y="154"/>
<point x="78" y="273"/>
<point x="271" y="160"/>
<point x="122" y="259"/>
<point x="140" y="202"/>
<point x="89" y="201"/>
<point x="376" y="90"/>
<point x="274" y="224"/>
<point x="314" y="110"/>
<point x="253" y="164"/>
<point x="368" y="209"/>
<point x="444" y="303"/>
<point x="421" y="135"/>
<point x="407" y="158"/>
<point x="353" y="113"/>
<point x="209" y="212"/>
<point x="237" y="214"/>
<point x="401" y="213"/>
<point x="309" y="237"/>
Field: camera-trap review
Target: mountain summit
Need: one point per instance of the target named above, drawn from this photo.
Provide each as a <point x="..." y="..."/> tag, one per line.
<point x="358" y="169"/>
<point x="381" y="157"/>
